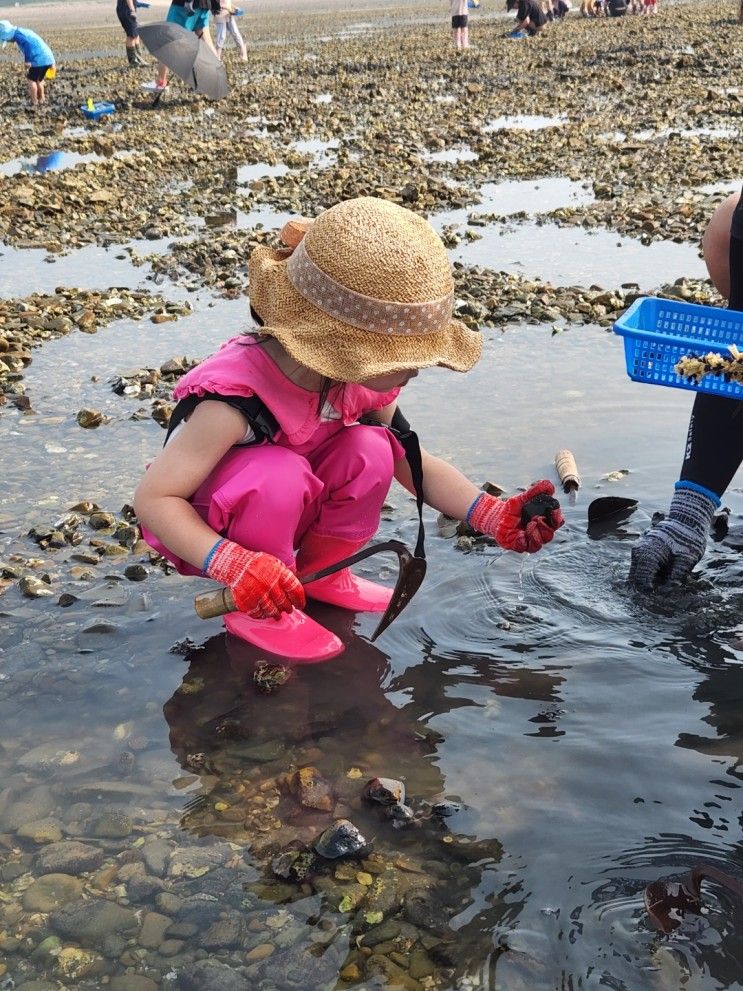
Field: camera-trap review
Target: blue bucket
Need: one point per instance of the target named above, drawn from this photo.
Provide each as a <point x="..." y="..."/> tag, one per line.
<point x="659" y="332"/>
<point x="100" y="109"/>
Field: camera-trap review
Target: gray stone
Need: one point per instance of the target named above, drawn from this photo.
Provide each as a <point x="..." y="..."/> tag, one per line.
<point x="16" y="809"/>
<point x="113" y="946"/>
<point x="168" y="903"/>
<point x="156" y="855"/>
<point x="195" y="861"/>
<point x="224" y="933"/>
<point x="41" y="831"/>
<point x="200" y="910"/>
<point x="170" y="947"/>
<point x="68" y="857"/>
<point x="132" y="982"/>
<point x="213" y="975"/>
<point x="112" y="825"/>
<point x="90" y="922"/>
<point x="154" y="927"/>
<point x="51" y="892"/>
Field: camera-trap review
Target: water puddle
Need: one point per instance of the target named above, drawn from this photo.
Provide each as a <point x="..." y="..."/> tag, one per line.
<point x="463" y="154"/>
<point x="320" y="150"/>
<point x="260" y="170"/>
<point x="563" y="255"/>
<point x="692" y="132"/>
<point x="523" y="122"/>
<point x="264" y="217"/>
<point x="530" y="196"/>
<point x="54" y="161"/>
<point x="28" y="270"/>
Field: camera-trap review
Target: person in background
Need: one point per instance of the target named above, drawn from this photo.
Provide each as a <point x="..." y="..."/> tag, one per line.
<point x="37" y="55"/>
<point x="560" y="8"/>
<point x="460" y="23"/>
<point x="193" y="15"/>
<point x="127" y="14"/>
<point x="530" y="17"/>
<point x="671" y="548"/>
<point x="617" y="8"/>
<point x="225" y="21"/>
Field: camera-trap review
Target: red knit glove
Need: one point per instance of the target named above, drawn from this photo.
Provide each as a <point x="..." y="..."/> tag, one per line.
<point x="261" y="585"/>
<point x="502" y="519"/>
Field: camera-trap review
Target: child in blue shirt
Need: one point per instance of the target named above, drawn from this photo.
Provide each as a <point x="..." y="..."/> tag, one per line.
<point x="37" y="55"/>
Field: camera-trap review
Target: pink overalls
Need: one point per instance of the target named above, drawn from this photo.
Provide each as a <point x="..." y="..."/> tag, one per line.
<point x="327" y="474"/>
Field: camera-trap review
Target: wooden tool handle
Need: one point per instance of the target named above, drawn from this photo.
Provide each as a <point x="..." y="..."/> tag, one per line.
<point x="211" y="604"/>
<point x="567" y="470"/>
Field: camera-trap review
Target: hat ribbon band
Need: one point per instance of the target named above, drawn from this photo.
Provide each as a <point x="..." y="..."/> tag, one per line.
<point x="376" y="315"/>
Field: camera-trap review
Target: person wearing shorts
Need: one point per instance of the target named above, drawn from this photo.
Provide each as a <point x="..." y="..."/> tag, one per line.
<point x="651" y="7"/>
<point x="459" y="23"/>
<point x="37" y="55"/>
<point x="126" y="12"/>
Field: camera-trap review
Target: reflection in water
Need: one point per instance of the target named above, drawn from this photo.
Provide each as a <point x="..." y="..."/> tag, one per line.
<point x="437" y="893"/>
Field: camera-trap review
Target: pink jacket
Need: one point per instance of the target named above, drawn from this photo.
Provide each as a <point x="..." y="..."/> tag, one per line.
<point x="242" y="368"/>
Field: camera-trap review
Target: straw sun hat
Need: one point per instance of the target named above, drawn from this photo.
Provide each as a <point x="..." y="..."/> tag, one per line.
<point x="366" y="291"/>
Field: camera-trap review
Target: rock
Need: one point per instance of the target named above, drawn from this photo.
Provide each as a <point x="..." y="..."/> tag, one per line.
<point x="378" y="965"/>
<point x="88" y="922"/>
<point x="41" y="831"/>
<point x="156" y="855"/>
<point x="113" y="824"/>
<point x="311" y="790"/>
<point x="214" y="976"/>
<point x="32" y="805"/>
<point x="51" y="892"/>
<point x="90" y="418"/>
<point x="154" y="927"/>
<point x="72" y="963"/>
<point x="132" y="982"/>
<point x="226" y="932"/>
<point x="199" y="910"/>
<point x="196" y="861"/>
<point x="68" y="857"/>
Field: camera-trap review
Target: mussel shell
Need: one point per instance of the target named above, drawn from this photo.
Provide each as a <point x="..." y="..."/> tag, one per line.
<point x="342" y="839"/>
<point x="386" y="791"/>
<point x="401" y="815"/>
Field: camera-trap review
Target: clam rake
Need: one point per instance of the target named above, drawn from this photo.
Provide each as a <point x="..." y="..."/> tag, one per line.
<point x="410" y="576"/>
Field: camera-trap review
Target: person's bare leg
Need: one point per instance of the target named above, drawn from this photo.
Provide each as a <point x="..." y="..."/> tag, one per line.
<point x="40" y="94"/>
<point x="162" y="76"/>
<point x="454" y="35"/>
<point x="206" y="37"/>
<point x="465" y="37"/>
<point x="31" y="90"/>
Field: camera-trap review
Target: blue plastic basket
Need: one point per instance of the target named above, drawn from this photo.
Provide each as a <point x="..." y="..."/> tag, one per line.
<point x="99" y="110"/>
<point x="659" y="332"/>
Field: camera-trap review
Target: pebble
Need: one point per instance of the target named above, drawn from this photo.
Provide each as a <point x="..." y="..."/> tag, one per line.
<point x="51" y="892"/>
<point x="68" y="857"/>
<point x="88" y="922"/>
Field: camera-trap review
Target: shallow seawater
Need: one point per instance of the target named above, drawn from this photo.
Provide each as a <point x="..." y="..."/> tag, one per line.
<point x="571" y="255"/>
<point x="523" y="122"/>
<point x="588" y="741"/>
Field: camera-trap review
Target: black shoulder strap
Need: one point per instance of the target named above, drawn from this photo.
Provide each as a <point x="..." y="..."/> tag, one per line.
<point x="263" y="423"/>
<point x="411" y="445"/>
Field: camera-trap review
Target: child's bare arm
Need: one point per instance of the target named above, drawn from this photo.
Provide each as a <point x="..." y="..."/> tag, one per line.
<point x="161" y="498"/>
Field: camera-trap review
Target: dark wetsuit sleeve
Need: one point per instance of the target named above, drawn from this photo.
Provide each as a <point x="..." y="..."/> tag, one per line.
<point x="714" y="445"/>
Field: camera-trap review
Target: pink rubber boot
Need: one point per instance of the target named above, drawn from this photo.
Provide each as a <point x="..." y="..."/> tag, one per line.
<point x="342" y="589"/>
<point x="294" y="636"/>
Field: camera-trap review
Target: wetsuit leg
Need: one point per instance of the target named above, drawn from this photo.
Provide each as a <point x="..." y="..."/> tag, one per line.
<point x="714" y="444"/>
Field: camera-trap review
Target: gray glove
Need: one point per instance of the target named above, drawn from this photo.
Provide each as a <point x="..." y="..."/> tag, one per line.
<point x="669" y="550"/>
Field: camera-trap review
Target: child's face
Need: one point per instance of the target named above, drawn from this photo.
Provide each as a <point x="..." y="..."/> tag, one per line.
<point x="384" y="383"/>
